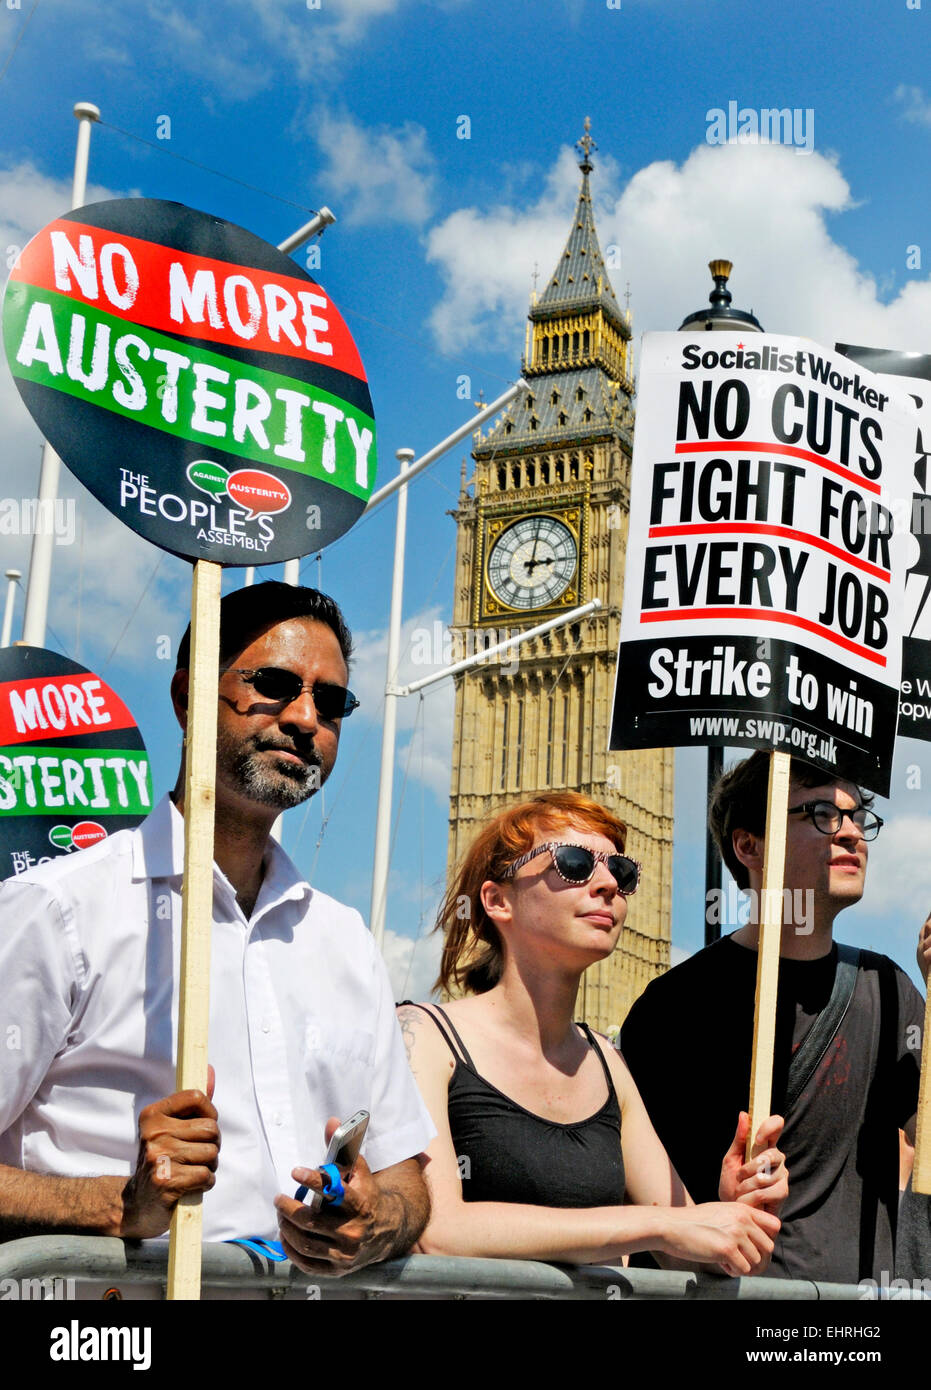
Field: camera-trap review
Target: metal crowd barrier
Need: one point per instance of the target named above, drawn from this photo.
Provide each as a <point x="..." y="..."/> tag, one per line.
<point x="64" y="1267"/>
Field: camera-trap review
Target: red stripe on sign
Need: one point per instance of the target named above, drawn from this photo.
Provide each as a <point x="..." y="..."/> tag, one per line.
<point x="728" y="446"/>
<point x="761" y="528"/>
<point x="58" y="707"/>
<point x="214" y="301"/>
<point x="678" y="615"/>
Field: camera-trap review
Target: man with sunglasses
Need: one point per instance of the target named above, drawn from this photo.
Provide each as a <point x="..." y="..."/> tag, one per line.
<point x="848" y="1033"/>
<point x="302" y="1026"/>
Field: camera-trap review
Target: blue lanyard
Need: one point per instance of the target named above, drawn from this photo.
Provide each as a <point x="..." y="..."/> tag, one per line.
<point x="270" y="1249"/>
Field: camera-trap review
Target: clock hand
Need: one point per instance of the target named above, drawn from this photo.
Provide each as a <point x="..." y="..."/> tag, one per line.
<point x="532" y="564"/>
<point x="529" y="564"/>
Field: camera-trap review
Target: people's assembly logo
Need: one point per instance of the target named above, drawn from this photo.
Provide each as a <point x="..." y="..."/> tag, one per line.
<point x="256" y="492"/>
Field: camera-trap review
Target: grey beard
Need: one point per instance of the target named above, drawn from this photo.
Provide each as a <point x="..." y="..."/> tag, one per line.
<point x="286" y="787"/>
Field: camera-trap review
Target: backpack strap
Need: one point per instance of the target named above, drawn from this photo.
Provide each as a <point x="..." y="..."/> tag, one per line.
<point x="816" y="1041"/>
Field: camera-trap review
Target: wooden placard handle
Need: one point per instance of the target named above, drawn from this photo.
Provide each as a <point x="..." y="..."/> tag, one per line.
<point x="921" y="1171"/>
<point x="200" y="763"/>
<point x="770" y="939"/>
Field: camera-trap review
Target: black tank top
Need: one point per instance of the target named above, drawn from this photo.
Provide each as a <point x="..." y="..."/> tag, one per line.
<point x="509" y="1154"/>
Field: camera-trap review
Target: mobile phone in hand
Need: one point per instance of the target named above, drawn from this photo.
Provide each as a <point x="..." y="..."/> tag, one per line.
<point x="343" y="1150"/>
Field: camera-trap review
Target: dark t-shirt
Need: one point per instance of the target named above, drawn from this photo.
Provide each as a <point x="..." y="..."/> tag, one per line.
<point x="688" y="1041"/>
<point x="913" y="1238"/>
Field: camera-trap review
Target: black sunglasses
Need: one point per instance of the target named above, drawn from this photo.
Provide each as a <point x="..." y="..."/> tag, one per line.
<point x="576" y="864"/>
<point x="282" y="686"/>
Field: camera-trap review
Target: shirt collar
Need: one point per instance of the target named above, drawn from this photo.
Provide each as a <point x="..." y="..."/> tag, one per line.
<point x="158" y="852"/>
<point x="282" y="879"/>
<point x="158" y="843"/>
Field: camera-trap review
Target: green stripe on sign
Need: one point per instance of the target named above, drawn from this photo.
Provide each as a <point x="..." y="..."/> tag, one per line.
<point x="72" y="781"/>
<point x="186" y="390"/>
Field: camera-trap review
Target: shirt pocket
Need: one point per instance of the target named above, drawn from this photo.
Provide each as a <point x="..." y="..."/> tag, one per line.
<point x="336" y="1044"/>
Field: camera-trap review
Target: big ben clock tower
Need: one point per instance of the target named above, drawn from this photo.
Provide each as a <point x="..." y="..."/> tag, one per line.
<point x="542" y="529"/>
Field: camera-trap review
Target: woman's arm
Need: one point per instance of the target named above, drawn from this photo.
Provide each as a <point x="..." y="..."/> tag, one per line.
<point x="650" y="1177"/>
<point x="730" y="1235"/>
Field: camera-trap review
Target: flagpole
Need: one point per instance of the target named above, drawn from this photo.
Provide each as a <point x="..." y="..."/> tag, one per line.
<point x="390" y="718"/>
<point x="43" y="539"/>
<point x="13" y="577"/>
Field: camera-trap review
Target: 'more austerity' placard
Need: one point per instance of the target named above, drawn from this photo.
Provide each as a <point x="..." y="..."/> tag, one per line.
<point x="763" y="590"/>
<point x="197" y="380"/>
<point x="73" y="766"/>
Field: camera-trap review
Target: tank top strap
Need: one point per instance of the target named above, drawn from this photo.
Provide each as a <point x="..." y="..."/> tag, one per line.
<point x="593" y="1043"/>
<point x="445" y="1025"/>
<point x="452" y="1028"/>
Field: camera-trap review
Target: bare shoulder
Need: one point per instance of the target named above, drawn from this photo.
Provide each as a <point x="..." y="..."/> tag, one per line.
<point x="620" y="1072"/>
<point x="423" y="1042"/>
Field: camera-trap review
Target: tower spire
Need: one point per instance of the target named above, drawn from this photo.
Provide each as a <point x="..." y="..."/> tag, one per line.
<point x="580" y="281"/>
<point x="585" y="147"/>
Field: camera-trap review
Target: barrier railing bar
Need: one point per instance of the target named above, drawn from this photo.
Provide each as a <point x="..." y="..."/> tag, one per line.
<point x="100" y="1258"/>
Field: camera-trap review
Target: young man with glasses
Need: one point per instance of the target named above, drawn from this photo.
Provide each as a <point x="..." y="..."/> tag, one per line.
<point x="302" y="1026"/>
<point x="848" y="1032"/>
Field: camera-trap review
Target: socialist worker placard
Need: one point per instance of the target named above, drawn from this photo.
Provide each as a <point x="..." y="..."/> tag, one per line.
<point x="763" y="600"/>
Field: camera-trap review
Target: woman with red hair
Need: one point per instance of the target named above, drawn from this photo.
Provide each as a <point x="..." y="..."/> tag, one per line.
<point x="544" y="1149"/>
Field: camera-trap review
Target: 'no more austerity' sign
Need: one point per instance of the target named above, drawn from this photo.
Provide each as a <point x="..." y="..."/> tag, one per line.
<point x="73" y="766"/>
<point x="763" y="596"/>
<point x="195" y="379"/>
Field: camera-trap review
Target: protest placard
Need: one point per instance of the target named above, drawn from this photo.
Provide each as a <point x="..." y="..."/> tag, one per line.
<point x="764" y="579"/>
<point x="208" y="392"/>
<point x="195" y="379"/>
<point x="910" y="372"/>
<point x="73" y="766"/>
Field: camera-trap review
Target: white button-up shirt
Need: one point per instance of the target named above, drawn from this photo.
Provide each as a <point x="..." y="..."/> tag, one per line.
<point x="302" y="1022"/>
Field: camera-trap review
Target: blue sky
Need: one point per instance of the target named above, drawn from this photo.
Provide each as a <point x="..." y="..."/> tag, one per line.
<point x="359" y="104"/>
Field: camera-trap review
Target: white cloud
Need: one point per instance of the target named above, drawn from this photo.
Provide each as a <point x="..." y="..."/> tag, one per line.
<point x="238" y="48"/>
<point x="30" y="199"/>
<point x="915" y="105"/>
<point x="230" y="47"/>
<point x="899" y="878"/>
<point x="765" y="207"/>
<point x="375" y="175"/>
<point x="487" y="260"/>
<point x="412" y="965"/>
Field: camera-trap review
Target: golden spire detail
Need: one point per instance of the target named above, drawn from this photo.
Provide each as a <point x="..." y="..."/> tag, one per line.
<point x="585" y="146"/>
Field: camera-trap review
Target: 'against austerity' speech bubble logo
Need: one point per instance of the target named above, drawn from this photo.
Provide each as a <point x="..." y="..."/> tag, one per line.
<point x="250" y="488"/>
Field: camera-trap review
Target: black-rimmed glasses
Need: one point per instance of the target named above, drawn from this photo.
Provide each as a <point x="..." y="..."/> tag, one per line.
<point x="281" y="686"/>
<point x="828" y="818"/>
<point x="576" y="864"/>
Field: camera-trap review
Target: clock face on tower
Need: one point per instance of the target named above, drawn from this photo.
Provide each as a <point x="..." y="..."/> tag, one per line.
<point x="532" y="562"/>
